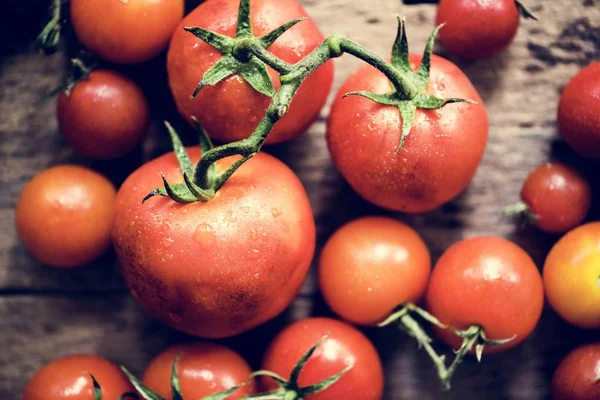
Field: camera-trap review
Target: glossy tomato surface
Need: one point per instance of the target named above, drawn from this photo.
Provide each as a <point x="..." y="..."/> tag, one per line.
<point x="218" y="268"/>
<point x="104" y="116"/>
<point x="372" y="265"/>
<point x="68" y="378"/>
<point x="572" y="276"/>
<point x="344" y="346"/>
<point x="438" y="159"/>
<point x="64" y="216"/>
<point x="490" y="282"/>
<point x="125" y="31"/>
<point x="232" y="109"/>
<point x="203" y="369"/>
<point x="578" y="375"/>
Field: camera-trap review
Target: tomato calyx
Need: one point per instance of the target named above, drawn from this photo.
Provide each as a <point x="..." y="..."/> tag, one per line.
<point x="48" y="39"/>
<point x="98" y="391"/>
<point x="81" y="68"/>
<point x="525" y="13"/>
<point x="522" y="213"/>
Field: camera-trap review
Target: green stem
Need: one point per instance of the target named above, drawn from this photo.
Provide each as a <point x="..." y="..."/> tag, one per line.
<point x="49" y="37"/>
<point x="266" y="56"/>
<point x="424" y="341"/>
<point x="470" y="338"/>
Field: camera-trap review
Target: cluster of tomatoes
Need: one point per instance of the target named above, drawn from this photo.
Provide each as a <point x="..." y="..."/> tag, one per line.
<point x="219" y="267"/>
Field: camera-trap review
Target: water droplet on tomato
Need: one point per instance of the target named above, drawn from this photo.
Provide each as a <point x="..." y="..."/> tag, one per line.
<point x="275" y="212"/>
<point x="167" y="242"/>
<point x="245" y="209"/>
<point x="253" y="254"/>
<point x="253" y="234"/>
<point x="205" y="235"/>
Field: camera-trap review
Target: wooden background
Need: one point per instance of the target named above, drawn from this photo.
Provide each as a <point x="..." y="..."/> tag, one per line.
<point x="47" y="313"/>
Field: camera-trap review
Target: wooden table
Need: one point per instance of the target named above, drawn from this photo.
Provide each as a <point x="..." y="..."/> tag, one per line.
<point x="47" y="313"/>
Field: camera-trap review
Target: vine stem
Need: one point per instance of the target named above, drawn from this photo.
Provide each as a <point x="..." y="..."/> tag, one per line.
<point x="470" y="338"/>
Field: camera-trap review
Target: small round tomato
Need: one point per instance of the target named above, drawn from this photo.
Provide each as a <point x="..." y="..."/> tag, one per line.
<point x="125" y="32"/>
<point x="217" y="268"/>
<point x="578" y="117"/>
<point x="372" y="265"/>
<point x="578" y="375"/>
<point x="104" y="116"/>
<point x="572" y="276"/>
<point x="232" y="109"/>
<point x="203" y="369"/>
<point x="69" y="378"/>
<point x="489" y="282"/>
<point x="64" y="216"/>
<point x="343" y="346"/>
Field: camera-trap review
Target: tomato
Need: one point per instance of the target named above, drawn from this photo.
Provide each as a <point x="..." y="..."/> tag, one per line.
<point x="64" y="216"/>
<point x="578" y="375"/>
<point x="69" y="378"/>
<point x="372" y="265"/>
<point x="490" y="282"/>
<point x="343" y="346"/>
<point x="439" y="157"/>
<point x="104" y="116"/>
<point x="203" y="369"/>
<point x="218" y="268"/>
<point x="572" y="276"/>
<point x="578" y="117"/>
<point x="231" y="109"/>
<point x="125" y="32"/>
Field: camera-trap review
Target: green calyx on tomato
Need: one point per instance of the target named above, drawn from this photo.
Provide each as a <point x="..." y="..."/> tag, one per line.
<point x="522" y="213"/>
<point x="98" y="391"/>
<point x="525" y="13"/>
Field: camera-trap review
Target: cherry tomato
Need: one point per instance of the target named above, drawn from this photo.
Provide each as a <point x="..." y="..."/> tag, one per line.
<point x="218" y="268"/>
<point x="438" y="159"/>
<point x="372" y="265"/>
<point x="343" y="346"/>
<point x="68" y="378"/>
<point x="203" y="369"/>
<point x="64" y="216"/>
<point x="125" y="32"/>
<point x="104" y="116"/>
<point x="231" y="109"/>
<point x="572" y="276"/>
<point x="578" y="375"/>
<point x="490" y="282"/>
<point x="578" y="117"/>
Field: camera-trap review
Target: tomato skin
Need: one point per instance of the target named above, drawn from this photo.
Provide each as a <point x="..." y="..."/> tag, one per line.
<point x="576" y="377"/>
<point x="571" y="274"/>
<point x="203" y="369"/>
<point x="477" y="29"/>
<point x="67" y="378"/>
<point x="370" y="266"/>
<point x="125" y="32"/>
<point x="232" y="109"/>
<point x="104" y="116"/>
<point x="64" y="216"/>
<point x="558" y="195"/>
<point x="344" y="345"/>
<point x="487" y="281"/>
<point x="578" y="117"/>
<point x="439" y="157"/>
<point x="218" y="268"/>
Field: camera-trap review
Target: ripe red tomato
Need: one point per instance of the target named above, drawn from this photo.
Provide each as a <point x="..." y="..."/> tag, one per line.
<point x="68" y="378"/>
<point x="64" y="216"/>
<point x="578" y="375"/>
<point x="218" y="268"/>
<point x="372" y="265"/>
<point x="490" y="282"/>
<point x="203" y="369"/>
<point x="231" y="109"/>
<point x="343" y="346"/>
<point x="104" y="116"/>
<point x="572" y="276"/>
<point x="125" y="32"/>
<point x="578" y="117"/>
<point x="438" y="159"/>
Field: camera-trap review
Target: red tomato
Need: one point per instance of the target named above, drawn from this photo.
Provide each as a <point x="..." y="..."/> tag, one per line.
<point x="578" y="116"/>
<point x="125" y="32"/>
<point x="218" y="268"/>
<point x="203" y="369"/>
<point x="572" y="276"/>
<point x="104" y="116"/>
<point x="64" y="216"/>
<point x="372" y="265"/>
<point x="344" y="346"/>
<point x="578" y="375"/>
<point x="438" y="159"/>
<point x="68" y="378"/>
<point x="490" y="282"/>
<point x="231" y="109"/>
